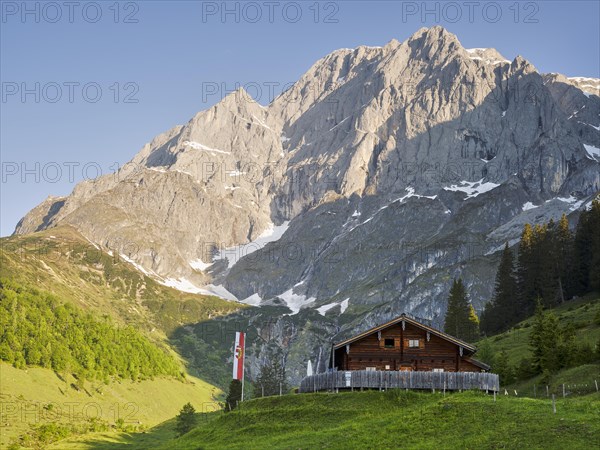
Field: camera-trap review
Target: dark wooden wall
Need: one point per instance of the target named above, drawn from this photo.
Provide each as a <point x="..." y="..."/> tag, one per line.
<point x="435" y="353"/>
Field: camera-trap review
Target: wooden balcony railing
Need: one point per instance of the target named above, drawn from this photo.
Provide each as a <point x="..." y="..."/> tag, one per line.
<point x="357" y="379"/>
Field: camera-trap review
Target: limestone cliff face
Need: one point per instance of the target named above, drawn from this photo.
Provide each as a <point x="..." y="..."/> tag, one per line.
<point x="381" y="173"/>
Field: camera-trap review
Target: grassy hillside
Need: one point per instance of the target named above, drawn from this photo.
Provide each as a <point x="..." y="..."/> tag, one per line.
<point x="61" y="261"/>
<point x="584" y="315"/>
<point x="37" y="397"/>
<point x="37" y="329"/>
<point x="375" y="419"/>
<point x="64" y="263"/>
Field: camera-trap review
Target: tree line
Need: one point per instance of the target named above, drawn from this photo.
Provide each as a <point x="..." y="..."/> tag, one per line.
<point x="552" y="264"/>
<point x="37" y="329"/>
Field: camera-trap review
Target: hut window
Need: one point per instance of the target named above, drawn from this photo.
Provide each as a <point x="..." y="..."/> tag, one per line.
<point x="371" y="369"/>
<point x="413" y="343"/>
<point x="389" y="343"/>
<point x="438" y="370"/>
<point x="387" y="367"/>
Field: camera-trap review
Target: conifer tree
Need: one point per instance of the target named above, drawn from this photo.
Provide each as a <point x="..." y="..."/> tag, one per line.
<point x="583" y="247"/>
<point x="525" y="275"/>
<point x="547" y="273"/>
<point x="186" y="419"/>
<point x="550" y="343"/>
<point x="485" y="352"/>
<point x="504" y="308"/>
<point x="504" y="370"/>
<point x="456" y="321"/>
<point x="234" y="396"/>
<point x="271" y="380"/>
<point x="594" y="226"/>
<point x="472" y="325"/>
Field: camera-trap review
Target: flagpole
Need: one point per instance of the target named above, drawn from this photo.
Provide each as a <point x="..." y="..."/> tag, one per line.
<point x="243" y="365"/>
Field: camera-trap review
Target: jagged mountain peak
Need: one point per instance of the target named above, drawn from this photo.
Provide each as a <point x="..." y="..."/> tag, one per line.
<point x="238" y="99"/>
<point x="523" y="64"/>
<point x="406" y="141"/>
<point x="434" y="33"/>
<point x="487" y="55"/>
<point x="392" y="44"/>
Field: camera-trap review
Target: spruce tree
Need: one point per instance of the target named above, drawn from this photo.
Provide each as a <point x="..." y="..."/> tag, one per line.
<point x="504" y="370"/>
<point x="186" y="419"/>
<point x="564" y="240"/>
<point x="582" y="248"/>
<point x="548" y="341"/>
<point x="456" y="321"/>
<point x="548" y="270"/>
<point x="234" y="396"/>
<point x="525" y="272"/>
<point x="485" y="352"/>
<point x="271" y="380"/>
<point x="472" y="325"/>
<point x="537" y="336"/>
<point x="504" y="308"/>
<point x="594" y="226"/>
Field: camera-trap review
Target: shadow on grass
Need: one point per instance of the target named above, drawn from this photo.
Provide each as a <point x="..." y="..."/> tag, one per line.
<point x="160" y="436"/>
<point x="154" y="437"/>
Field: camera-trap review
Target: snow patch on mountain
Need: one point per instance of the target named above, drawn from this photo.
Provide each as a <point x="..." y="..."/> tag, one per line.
<point x="136" y="265"/>
<point x="198" y="264"/>
<point x="185" y="285"/>
<point x="295" y="302"/>
<point x="592" y="151"/>
<point x="181" y="284"/>
<point x="527" y="206"/>
<point x="343" y="306"/>
<point x="323" y="309"/>
<point x="575" y="204"/>
<point x="234" y="254"/>
<point x="198" y="146"/>
<point x="472" y="188"/>
<point x="253" y="300"/>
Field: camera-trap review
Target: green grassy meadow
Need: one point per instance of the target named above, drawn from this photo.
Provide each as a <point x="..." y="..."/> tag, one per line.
<point x="383" y="420"/>
<point x="36" y="396"/>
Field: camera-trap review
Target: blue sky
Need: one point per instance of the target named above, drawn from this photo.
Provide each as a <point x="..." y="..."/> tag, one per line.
<point x="149" y="65"/>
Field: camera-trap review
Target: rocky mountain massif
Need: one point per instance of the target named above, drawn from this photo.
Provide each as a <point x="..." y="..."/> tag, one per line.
<point x="355" y="195"/>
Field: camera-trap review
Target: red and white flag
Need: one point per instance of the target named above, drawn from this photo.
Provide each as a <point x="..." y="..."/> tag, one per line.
<point x="238" y="356"/>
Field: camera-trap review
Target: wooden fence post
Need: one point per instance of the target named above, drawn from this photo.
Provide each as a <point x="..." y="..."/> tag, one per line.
<point x="563" y="390"/>
<point x="547" y="391"/>
<point x="596" y="381"/>
<point x="553" y="404"/>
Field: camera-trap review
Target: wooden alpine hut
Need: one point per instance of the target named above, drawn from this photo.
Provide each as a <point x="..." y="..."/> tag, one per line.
<point x="403" y="353"/>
